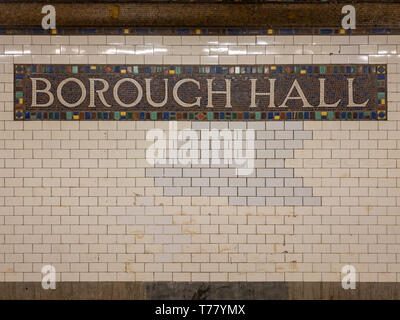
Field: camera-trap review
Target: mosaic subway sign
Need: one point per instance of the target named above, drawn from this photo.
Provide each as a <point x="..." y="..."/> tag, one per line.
<point x="257" y="92"/>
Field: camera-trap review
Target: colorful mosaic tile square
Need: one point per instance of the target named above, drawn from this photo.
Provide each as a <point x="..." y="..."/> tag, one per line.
<point x="200" y="92"/>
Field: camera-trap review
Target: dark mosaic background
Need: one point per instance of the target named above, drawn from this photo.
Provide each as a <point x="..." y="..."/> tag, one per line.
<point x="335" y="85"/>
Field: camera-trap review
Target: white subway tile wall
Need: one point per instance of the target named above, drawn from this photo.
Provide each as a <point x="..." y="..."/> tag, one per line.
<point x="82" y="197"/>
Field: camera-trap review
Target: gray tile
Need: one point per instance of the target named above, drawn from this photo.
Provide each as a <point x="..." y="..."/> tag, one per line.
<point x="293" y="201"/>
<point x="237" y="201"/>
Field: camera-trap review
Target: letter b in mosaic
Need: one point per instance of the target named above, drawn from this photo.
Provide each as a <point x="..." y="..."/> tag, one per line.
<point x="193" y="92"/>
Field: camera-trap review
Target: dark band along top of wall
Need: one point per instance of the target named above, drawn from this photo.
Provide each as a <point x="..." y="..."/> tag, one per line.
<point x="215" y="93"/>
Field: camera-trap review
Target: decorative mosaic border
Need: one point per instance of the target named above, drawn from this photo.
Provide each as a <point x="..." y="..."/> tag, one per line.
<point x="231" y="31"/>
<point x="364" y="114"/>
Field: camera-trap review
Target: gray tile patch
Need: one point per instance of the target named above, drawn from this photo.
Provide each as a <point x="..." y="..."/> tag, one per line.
<point x="271" y="182"/>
